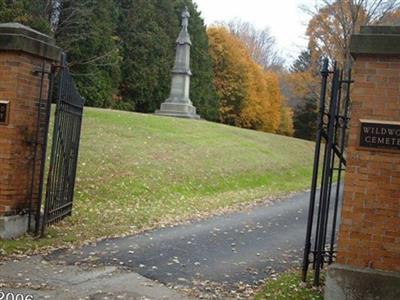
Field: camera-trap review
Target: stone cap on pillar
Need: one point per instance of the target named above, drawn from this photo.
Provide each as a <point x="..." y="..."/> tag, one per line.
<point x="376" y="40"/>
<point x="17" y="37"/>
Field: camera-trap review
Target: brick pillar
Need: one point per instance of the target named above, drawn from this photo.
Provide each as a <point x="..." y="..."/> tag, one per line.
<point x="22" y="52"/>
<point x="368" y="258"/>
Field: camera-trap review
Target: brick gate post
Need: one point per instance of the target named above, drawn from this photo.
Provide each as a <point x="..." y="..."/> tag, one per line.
<point x="368" y="258"/>
<point x="22" y="52"/>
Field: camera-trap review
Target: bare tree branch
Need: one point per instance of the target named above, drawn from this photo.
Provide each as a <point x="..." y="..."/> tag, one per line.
<point x="261" y="44"/>
<point x="334" y="21"/>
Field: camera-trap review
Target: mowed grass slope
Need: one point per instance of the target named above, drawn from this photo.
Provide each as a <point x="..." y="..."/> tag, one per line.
<point x="136" y="171"/>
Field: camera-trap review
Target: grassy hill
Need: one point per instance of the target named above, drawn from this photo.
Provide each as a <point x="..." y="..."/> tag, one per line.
<point x="139" y="170"/>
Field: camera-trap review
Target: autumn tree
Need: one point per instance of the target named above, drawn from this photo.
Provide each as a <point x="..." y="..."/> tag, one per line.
<point x="329" y="31"/>
<point x="262" y="110"/>
<point x="249" y="96"/>
<point x="263" y="50"/>
<point x="228" y="56"/>
<point x="333" y="23"/>
<point x="392" y="18"/>
<point x="286" y="126"/>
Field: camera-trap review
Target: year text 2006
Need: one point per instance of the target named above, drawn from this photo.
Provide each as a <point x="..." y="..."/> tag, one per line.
<point x="13" y="296"/>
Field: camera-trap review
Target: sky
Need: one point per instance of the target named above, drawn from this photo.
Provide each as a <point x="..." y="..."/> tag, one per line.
<point x="284" y="18"/>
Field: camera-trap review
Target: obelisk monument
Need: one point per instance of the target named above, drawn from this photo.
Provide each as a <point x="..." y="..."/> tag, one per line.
<point x="178" y="104"/>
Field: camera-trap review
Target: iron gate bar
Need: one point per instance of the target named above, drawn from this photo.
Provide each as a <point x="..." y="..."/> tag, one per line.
<point x="56" y="166"/>
<point x="44" y="151"/>
<point x="324" y="200"/>
<point x="58" y="162"/>
<point x="332" y="124"/>
<point x="324" y="174"/>
<point x="31" y="187"/>
<point x="335" y="124"/>
<point x="41" y="72"/>
<point x="307" y="247"/>
<point x="65" y="149"/>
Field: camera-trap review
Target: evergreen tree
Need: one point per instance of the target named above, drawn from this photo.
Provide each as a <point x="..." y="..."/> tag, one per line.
<point x="305" y="119"/>
<point x="129" y="68"/>
<point x="304" y="81"/>
<point x="147" y="53"/>
<point x="302" y="63"/>
<point x="32" y="13"/>
<point x="86" y="31"/>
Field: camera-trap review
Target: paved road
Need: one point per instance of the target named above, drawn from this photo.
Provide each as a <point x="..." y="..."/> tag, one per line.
<point x="35" y="278"/>
<point x="243" y="247"/>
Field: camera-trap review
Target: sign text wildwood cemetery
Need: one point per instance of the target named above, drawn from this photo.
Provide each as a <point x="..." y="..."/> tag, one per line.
<point x="380" y="135"/>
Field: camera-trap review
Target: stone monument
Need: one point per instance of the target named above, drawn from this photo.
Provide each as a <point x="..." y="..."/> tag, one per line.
<point x="178" y="104"/>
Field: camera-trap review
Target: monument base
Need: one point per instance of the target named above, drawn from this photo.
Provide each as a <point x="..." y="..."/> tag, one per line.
<point x="345" y="282"/>
<point x="178" y="110"/>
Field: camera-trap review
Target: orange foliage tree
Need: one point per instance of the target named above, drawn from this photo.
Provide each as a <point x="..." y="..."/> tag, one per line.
<point x="249" y="96"/>
<point x="333" y="23"/>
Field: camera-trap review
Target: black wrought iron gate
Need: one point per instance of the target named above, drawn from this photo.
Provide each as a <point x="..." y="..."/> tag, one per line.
<point x="64" y="150"/>
<point x="333" y="119"/>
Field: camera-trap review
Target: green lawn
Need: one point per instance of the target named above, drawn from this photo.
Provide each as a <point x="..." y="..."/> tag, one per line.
<point x="137" y="171"/>
<point x="288" y="286"/>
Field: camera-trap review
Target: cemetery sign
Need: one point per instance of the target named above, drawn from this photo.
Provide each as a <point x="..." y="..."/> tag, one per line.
<point x="380" y="134"/>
